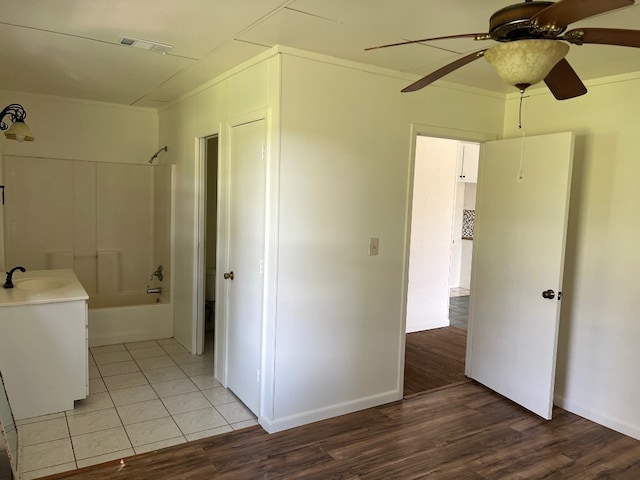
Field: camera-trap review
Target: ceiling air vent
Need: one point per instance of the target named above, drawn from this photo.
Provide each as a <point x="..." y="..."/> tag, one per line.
<point x="145" y="44"/>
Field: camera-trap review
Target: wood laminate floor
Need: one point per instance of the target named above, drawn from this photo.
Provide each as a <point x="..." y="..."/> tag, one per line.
<point x="434" y="359"/>
<point x="464" y="432"/>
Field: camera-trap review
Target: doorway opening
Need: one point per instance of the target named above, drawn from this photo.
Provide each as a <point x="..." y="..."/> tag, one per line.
<point x="462" y="233"/>
<point x="207" y="309"/>
<point x="229" y="264"/>
<point x="443" y="210"/>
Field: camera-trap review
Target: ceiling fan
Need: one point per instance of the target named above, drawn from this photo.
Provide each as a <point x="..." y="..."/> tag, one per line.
<point x="533" y="43"/>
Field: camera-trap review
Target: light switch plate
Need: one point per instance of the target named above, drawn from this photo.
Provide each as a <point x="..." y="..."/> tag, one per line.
<point x="373" y="246"/>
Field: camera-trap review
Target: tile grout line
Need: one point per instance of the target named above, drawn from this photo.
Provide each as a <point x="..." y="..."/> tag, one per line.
<point x="170" y="415"/>
<point x="119" y="417"/>
<point x="183" y="368"/>
<point x="182" y="436"/>
<point x="154" y="390"/>
<point x="73" y="449"/>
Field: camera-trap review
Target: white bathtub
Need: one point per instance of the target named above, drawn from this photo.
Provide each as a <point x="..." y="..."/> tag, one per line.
<point x="130" y="318"/>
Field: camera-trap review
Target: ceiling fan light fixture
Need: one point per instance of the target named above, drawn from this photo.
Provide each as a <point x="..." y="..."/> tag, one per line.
<point x="526" y="62"/>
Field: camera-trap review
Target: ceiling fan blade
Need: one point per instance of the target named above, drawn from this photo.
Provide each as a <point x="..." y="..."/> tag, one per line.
<point x="477" y="36"/>
<point x="605" y="36"/>
<point x="564" y="12"/>
<point x="441" y="72"/>
<point x="563" y="81"/>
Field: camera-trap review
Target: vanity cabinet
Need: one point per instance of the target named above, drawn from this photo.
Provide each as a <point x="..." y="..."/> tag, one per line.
<point x="43" y="345"/>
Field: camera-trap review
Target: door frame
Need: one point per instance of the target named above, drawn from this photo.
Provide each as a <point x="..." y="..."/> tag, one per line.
<point x="199" y="277"/>
<point x="2" y="267"/>
<point x="272" y="201"/>
<point x="418" y="129"/>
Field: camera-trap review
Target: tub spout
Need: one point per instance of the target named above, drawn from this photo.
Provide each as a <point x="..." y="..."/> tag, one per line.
<point x="9" y="281"/>
<point x="154" y="290"/>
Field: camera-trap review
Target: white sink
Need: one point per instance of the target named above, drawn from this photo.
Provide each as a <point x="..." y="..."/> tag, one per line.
<point x="36" y="285"/>
<point x="42" y="286"/>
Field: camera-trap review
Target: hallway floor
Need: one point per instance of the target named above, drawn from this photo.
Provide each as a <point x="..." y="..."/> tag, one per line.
<point x="143" y="396"/>
<point x="434" y="359"/>
<point x="459" y="310"/>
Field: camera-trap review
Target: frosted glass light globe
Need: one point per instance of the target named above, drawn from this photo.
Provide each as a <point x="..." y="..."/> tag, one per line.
<point x="526" y="62"/>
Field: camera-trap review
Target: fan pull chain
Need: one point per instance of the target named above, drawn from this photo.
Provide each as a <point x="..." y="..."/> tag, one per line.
<point x="520" y="110"/>
<point x="520" y="177"/>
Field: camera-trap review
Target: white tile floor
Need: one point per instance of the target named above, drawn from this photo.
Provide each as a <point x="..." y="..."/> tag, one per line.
<point x="142" y="396"/>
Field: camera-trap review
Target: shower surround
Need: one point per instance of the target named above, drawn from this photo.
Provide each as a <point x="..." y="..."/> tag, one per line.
<point x="110" y="223"/>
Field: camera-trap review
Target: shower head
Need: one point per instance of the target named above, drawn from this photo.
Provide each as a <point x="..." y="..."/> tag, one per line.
<point x="155" y="155"/>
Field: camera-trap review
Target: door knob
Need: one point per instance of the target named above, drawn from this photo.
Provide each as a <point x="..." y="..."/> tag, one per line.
<point x="548" y="294"/>
<point x="230" y="276"/>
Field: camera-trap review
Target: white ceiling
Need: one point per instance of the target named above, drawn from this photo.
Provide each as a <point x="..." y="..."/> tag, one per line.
<point x="70" y="47"/>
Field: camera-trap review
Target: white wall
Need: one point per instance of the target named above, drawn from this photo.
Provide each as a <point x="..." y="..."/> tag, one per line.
<point x="334" y="317"/>
<point x="345" y="176"/>
<point x="73" y="129"/>
<point x="456" y="240"/>
<point x="432" y="227"/>
<point x="53" y="185"/>
<point x="204" y="112"/>
<point x="599" y="331"/>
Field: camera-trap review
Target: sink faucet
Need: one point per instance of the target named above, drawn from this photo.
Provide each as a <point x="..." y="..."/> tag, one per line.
<point x="9" y="282"/>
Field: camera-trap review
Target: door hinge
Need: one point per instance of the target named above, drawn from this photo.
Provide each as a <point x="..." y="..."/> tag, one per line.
<point x="258" y="375"/>
<point x="263" y="153"/>
<point x="2" y="188"/>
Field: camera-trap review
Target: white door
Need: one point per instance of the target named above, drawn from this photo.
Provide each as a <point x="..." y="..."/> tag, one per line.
<point x="521" y="218"/>
<point x="245" y="257"/>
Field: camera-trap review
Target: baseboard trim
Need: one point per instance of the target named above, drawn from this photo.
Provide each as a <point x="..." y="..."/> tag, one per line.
<point x="598" y="417"/>
<point x="292" y="421"/>
<point x="437" y="389"/>
<point x="429" y="325"/>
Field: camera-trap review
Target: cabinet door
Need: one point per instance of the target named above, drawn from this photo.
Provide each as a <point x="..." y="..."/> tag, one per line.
<point x="46" y="344"/>
<point x="468" y="154"/>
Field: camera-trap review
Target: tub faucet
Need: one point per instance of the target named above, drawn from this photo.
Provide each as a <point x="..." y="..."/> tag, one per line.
<point x="158" y="273"/>
<point x="9" y="282"/>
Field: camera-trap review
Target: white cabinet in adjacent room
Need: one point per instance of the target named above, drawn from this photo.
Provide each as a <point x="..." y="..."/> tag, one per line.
<point x="468" y="155"/>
